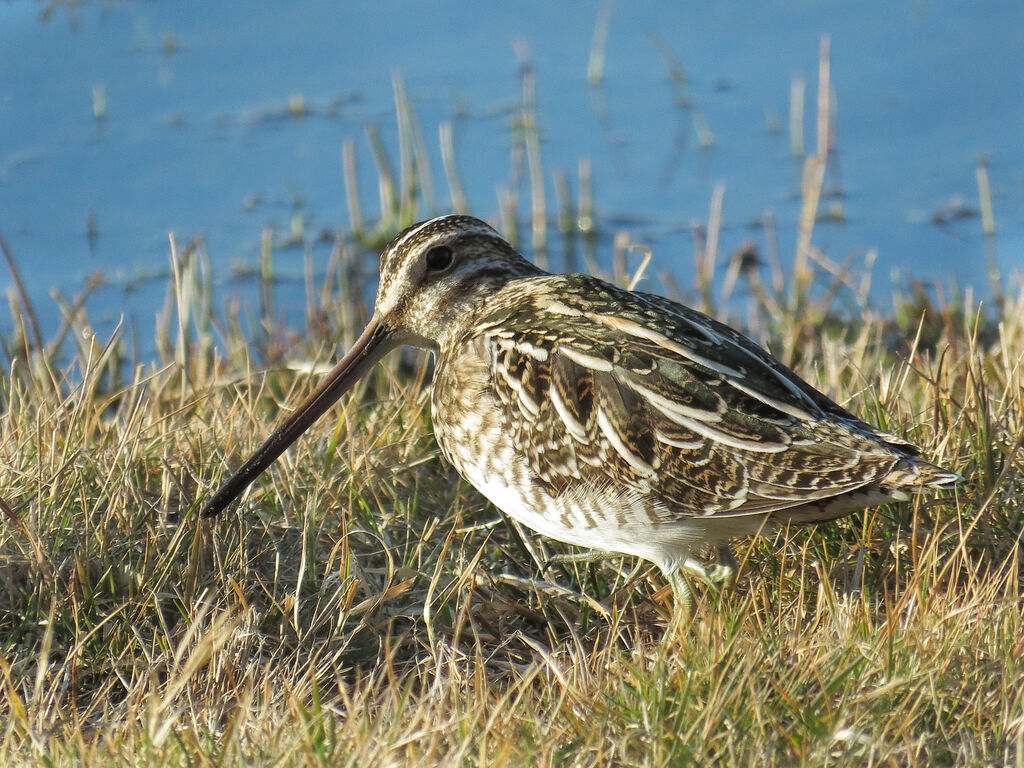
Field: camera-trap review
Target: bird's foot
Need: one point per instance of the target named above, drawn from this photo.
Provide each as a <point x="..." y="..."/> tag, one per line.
<point x="718" y="577"/>
<point x="723" y="573"/>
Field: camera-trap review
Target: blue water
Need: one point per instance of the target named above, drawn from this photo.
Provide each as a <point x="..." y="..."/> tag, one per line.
<point x="923" y="90"/>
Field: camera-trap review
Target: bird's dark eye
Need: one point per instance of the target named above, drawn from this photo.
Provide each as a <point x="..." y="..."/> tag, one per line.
<point x="439" y="258"/>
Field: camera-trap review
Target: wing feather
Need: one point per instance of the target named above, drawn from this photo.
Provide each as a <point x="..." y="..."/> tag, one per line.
<point x="606" y="386"/>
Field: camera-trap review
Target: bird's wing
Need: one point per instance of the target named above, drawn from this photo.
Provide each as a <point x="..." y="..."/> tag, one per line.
<point x="604" y="386"/>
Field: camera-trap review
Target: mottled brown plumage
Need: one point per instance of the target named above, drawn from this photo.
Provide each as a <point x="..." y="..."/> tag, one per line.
<point x="611" y="419"/>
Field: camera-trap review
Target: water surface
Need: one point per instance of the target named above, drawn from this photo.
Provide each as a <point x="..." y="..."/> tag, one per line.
<point x="196" y="138"/>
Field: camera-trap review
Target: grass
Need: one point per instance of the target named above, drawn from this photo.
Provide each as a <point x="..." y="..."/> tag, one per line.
<point x="364" y="606"/>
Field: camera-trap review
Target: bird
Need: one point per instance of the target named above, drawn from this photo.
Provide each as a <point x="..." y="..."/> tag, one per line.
<point x="614" y="420"/>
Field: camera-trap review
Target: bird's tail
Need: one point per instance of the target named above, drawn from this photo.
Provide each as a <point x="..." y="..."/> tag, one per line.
<point x="917" y="475"/>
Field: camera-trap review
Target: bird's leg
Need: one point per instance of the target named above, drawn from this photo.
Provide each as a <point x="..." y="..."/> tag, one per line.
<point x="723" y="572"/>
<point x="720" y="576"/>
<point x="683" y="596"/>
<point x="695" y="569"/>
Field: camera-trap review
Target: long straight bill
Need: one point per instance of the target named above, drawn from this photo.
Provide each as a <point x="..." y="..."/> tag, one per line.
<point x="367" y="350"/>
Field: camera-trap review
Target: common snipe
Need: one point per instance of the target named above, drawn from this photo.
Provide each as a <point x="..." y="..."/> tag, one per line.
<point x="615" y="420"/>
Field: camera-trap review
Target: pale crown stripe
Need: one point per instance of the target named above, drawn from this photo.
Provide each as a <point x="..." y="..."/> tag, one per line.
<point x="464" y="229"/>
<point x="411" y="234"/>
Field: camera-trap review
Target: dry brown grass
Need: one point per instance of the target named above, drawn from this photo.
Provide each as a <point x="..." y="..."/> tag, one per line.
<point x="365" y="606"/>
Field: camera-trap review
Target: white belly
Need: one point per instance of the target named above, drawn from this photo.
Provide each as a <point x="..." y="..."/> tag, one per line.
<point x="609" y="520"/>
